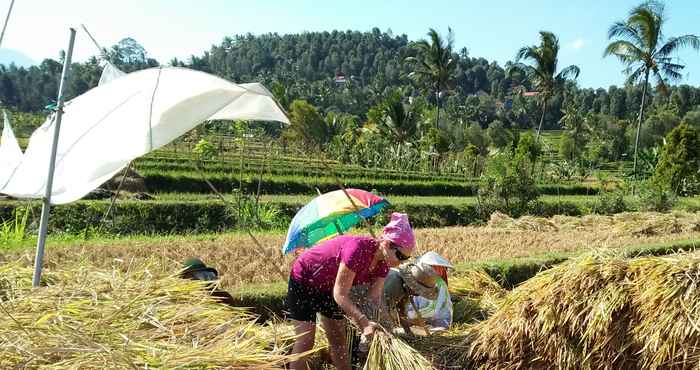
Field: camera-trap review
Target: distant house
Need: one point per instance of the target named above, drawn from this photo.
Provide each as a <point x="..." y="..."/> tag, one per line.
<point x="339" y="79"/>
<point x="530" y="93"/>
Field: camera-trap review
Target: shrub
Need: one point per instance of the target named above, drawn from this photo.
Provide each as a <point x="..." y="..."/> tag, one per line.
<point x="679" y="165"/>
<point x="610" y="202"/>
<point x="508" y="185"/>
<point x="655" y="197"/>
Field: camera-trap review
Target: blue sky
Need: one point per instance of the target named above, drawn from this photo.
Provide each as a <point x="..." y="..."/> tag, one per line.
<point x="490" y="29"/>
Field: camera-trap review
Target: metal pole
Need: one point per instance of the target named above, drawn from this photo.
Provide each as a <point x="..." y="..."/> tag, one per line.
<point x="39" y="259"/>
<point x="7" y="20"/>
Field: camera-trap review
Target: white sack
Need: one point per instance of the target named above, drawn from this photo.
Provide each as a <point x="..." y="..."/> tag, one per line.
<point x="10" y="152"/>
<point x="108" y="126"/>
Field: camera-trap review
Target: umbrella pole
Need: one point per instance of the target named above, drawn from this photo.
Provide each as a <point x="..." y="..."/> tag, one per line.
<point x="46" y="208"/>
<point x="340" y="184"/>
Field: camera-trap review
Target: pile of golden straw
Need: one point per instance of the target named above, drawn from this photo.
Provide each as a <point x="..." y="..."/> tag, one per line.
<point x="628" y="223"/>
<point x="597" y="311"/>
<point x="475" y="294"/>
<point x="111" y="319"/>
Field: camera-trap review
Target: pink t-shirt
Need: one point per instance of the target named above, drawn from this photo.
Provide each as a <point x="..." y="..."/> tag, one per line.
<point x="318" y="266"/>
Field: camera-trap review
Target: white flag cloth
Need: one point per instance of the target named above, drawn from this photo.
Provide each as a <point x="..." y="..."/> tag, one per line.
<point x="112" y="124"/>
<point x="109" y="73"/>
<point x="10" y="152"/>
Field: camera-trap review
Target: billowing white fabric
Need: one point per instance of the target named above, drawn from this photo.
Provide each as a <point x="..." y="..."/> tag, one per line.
<point x="10" y="152"/>
<point x="112" y="124"/>
<point x="109" y="73"/>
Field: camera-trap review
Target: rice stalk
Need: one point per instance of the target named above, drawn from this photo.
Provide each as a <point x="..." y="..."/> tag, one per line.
<point x="390" y="353"/>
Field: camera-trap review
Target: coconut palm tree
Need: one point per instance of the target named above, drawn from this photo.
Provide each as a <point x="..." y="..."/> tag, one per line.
<point x="398" y="120"/>
<point x="434" y="66"/>
<point x="639" y="44"/>
<point x="542" y="70"/>
<point x="575" y="124"/>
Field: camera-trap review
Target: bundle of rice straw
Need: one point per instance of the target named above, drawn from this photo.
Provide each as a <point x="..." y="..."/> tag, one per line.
<point x="653" y="223"/>
<point x="597" y="311"/>
<point x="502" y="221"/>
<point x="391" y="353"/>
<point x="446" y="349"/>
<point x="477" y="289"/>
<point x="108" y="319"/>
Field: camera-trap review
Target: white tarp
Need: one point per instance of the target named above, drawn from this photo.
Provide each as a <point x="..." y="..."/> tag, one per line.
<point x="10" y="152"/>
<point x="109" y="73"/>
<point x="112" y="124"/>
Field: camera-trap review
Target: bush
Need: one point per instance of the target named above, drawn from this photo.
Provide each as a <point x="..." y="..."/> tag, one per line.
<point x="679" y="166"/>
<point x="610" y="202"/>
<point x="508" y="185"/>
<point x="655" y="197"/>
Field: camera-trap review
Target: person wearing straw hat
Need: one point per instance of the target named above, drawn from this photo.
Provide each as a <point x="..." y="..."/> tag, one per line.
<point x="402" y="284"/>
<point x="195" y="269"/>
<point x="322" y="277"/>
<point x="436" y="311"/>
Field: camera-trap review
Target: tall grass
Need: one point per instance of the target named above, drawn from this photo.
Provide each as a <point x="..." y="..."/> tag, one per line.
<point x="15" y="229"/>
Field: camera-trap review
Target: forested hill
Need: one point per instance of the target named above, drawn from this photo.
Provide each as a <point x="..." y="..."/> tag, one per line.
<point x="307" y="66"/>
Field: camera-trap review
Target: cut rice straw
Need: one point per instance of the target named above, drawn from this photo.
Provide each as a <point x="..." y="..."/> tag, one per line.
<point x="598" y="311"/>
<point x="387" y="352"/>
<point x="109" y="319"/>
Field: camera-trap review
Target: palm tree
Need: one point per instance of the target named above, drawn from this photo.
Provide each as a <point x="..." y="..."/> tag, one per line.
<point x="398" y="120"/>
<point x="640" y="46"/>
<point x="542" y="72"/>
<point x="434" y="66"/>
<point x="575" y="124"/>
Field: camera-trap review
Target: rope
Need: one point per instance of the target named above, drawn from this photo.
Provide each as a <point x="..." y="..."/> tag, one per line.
<point x="114" y="197"/>
<point x="150" y="109"/>
<point x="7" y="20"/>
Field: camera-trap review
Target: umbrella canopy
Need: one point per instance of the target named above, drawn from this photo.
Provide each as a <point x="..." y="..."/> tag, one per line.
<point x="328" y="215"/>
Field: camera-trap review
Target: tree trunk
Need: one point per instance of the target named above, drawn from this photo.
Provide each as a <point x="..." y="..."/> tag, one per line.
<point x="639" y="124"/>
<point x="544" y="110"/>
<point x="437" y="102"/>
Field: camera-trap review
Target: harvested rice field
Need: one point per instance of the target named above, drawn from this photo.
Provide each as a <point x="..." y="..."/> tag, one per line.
<point x="114" y="305"/>
<point x="241" y="262"/>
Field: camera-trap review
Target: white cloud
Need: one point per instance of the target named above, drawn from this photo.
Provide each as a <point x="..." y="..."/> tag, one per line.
<point x="578" y="44"/>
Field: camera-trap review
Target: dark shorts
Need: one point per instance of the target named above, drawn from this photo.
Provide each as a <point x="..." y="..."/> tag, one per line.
<point x="303" y="303"/>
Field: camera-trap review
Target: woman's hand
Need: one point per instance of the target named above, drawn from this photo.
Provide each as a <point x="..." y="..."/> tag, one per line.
<point x="369" y="329"/>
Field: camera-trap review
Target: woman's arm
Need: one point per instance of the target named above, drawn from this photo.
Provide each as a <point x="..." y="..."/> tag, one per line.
<point x="376" y="293"/>
<point x="341" y="294"/>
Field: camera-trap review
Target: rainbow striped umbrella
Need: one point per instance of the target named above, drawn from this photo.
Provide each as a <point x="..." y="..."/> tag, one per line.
<point x="328" y="215"/>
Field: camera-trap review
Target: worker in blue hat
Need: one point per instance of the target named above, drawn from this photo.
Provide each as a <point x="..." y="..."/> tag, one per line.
<point x="195" y="269"/>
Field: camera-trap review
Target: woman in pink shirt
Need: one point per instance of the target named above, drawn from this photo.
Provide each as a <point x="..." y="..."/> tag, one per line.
<point x="321" y="279"/>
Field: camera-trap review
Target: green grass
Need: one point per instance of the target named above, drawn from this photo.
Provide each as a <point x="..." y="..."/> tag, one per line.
<point x="394" y="199"/>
